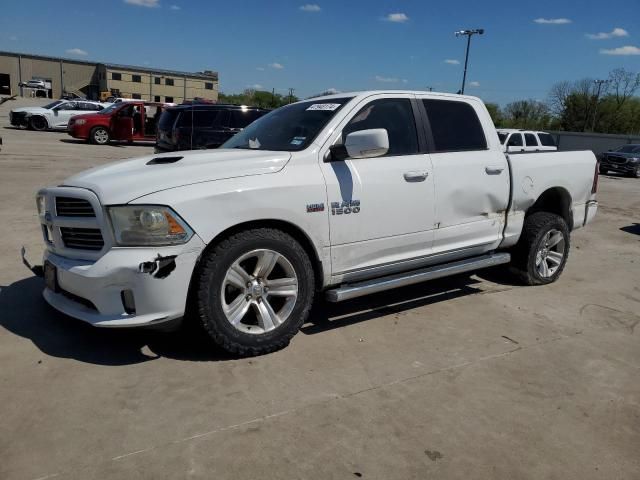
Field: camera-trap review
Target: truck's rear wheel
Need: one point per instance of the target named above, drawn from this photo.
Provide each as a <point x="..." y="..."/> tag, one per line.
<point x="255" y="290"/>
<point x="542" y="250"/>
<point x="38" y="123"/>
<point x="99" y="135"/>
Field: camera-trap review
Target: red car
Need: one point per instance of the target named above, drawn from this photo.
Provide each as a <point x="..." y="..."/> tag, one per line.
<point x="124" y="121"/>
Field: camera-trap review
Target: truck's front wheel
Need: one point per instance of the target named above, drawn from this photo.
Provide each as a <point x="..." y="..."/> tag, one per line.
<point x="543" y="248"/>
<point x="255" y="290"/>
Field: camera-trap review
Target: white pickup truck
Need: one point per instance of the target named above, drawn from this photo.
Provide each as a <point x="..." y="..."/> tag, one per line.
<point x="341" y="196"/>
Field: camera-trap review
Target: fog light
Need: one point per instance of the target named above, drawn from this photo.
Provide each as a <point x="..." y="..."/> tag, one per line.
<point x="128" y="301"/>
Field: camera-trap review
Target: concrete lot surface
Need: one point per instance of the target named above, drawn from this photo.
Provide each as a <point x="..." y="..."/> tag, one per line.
<point x="474" y="377"/>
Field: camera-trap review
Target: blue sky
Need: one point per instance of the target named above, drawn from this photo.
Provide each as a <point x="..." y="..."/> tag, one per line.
<point x="345" y="45"/>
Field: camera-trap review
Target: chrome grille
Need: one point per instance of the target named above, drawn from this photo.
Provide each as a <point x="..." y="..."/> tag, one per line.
<point x="73" y="207"/>
<point x="616" y="159"/>
<point x="82" y="238"/>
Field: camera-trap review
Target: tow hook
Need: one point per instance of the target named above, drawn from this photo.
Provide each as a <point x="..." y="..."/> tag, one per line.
<point x="37" y="270"/>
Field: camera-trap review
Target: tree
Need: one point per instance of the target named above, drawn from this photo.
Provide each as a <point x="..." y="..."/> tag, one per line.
<point x="607" y="107"/>
<point x="495" y="113"/>
<point x="256" y="98"/>
<point x="527" y="114"/>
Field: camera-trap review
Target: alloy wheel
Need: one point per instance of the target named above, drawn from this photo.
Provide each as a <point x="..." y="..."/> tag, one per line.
<point x="550" y="253"/>
<point x="259" y="291"/>
<point x="101" y="136"/>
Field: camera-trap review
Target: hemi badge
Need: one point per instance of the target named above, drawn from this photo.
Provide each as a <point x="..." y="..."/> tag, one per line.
<point x="315" y="207"/>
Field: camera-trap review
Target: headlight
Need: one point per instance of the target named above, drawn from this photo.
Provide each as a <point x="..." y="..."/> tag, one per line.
<point x="80" y="121"/>
<point x="634" y="159"/>
<point x="40" y="204"/>
<point x="146" y="225"/>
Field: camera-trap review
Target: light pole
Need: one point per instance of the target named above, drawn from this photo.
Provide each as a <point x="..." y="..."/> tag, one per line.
<point x="595" y="107"/>
<point x="469" y="34"/>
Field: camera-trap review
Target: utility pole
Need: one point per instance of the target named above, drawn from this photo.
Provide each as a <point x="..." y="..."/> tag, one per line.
<point x="291" y="90"/>
<point x="595" y="108"/>
<point x="430" y="89"/>
<point x="469" y="34"/>
<point x="273" y="97"/>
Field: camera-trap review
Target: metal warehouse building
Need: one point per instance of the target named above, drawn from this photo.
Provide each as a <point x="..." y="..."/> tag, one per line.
<point x="90" y="79"/>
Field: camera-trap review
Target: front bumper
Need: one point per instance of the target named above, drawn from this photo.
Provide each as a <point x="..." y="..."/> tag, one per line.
<point x="78" y="131"/>
<point x="92" y="291"/>
<point x="18" y="119"/>
<point x="628" y="168"/>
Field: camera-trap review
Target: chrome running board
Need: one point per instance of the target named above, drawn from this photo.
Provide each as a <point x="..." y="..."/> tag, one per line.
<point x="353" y="290"/>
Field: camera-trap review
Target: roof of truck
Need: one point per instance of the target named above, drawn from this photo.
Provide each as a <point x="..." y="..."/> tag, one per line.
<point x="366" y="93"/>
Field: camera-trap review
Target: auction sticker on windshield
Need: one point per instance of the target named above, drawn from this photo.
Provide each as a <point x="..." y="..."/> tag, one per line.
<point x="324" y="106"/>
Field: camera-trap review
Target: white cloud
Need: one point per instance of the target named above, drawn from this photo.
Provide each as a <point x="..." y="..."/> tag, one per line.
<point x="331" y="91"/>
<point x="13" y="38"/>
<point x="382" y="79"/>
<point x="276" y="65"/>
<point x="397" y="18"/>
<point x="260" y="69"/>
<point x="616" y="32"/>
<point x="474" y="84"/>
<point x="175" y="7"/>
<point x="310" y="7"/>
<point x="256" y="86"/>
<point x="404" y="80"/>
<point x="143" y="3"/>
<point x="552" y="21"/>
<point x="77" y="51"/>
<point x="451" y="61"/>
<point x="626" y="50"/>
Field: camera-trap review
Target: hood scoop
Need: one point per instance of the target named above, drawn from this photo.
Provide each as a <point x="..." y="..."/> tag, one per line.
<point x="163" y="160"/>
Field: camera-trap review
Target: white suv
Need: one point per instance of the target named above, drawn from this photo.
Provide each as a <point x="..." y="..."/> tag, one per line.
<point x="518" y="141"/>
<point x="55" y="115"/>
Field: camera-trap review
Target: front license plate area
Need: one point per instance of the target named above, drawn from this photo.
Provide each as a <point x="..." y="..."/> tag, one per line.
<point x="51" y="276"/>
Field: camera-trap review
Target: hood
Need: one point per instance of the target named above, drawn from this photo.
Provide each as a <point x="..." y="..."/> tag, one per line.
<point x="31" y="110"/>
<point x="623" y="154"/>
<point x="124" y="181"/>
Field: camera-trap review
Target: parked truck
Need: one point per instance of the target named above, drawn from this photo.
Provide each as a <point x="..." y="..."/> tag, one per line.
<point x="339" y="196"/>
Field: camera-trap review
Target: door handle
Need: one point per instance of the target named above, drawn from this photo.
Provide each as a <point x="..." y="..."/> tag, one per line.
<point x="416" y="176"/>
<point x="493" y="170"/>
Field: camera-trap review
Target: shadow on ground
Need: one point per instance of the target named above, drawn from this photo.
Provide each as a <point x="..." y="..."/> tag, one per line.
<point x="25" y="313"/>
<point x="633" y="229"/>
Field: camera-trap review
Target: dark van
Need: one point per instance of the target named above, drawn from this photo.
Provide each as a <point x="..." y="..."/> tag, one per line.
<point x="199" y="126"/>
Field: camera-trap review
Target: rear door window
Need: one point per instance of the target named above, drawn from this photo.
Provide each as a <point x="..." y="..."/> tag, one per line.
<point x="242" y="118"/>
<point x="455" y="126"/>
<point x="530" y="140"/>
<point x="515" y="140"/>
<point x="546" y="140"/>
<point x="167" y="119"/>
<point x="199" y="118"/>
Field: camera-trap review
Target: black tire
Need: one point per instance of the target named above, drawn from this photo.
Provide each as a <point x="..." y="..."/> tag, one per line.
<point x="636" y="173"/>
<point x="38" y="123"/>
<point x="524" y="256"/>
<point x="210" y="276"/>
<point x="602" y="170"/>
<point x="99" y="135"/>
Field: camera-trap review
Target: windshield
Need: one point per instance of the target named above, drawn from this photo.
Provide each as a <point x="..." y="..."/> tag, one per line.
<point x="289" y="128"/>
<point x="53" y="104"/>
<point x="502" y="137"/>
<point x="629" y="149"/>
<point x="110" y="109"/>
